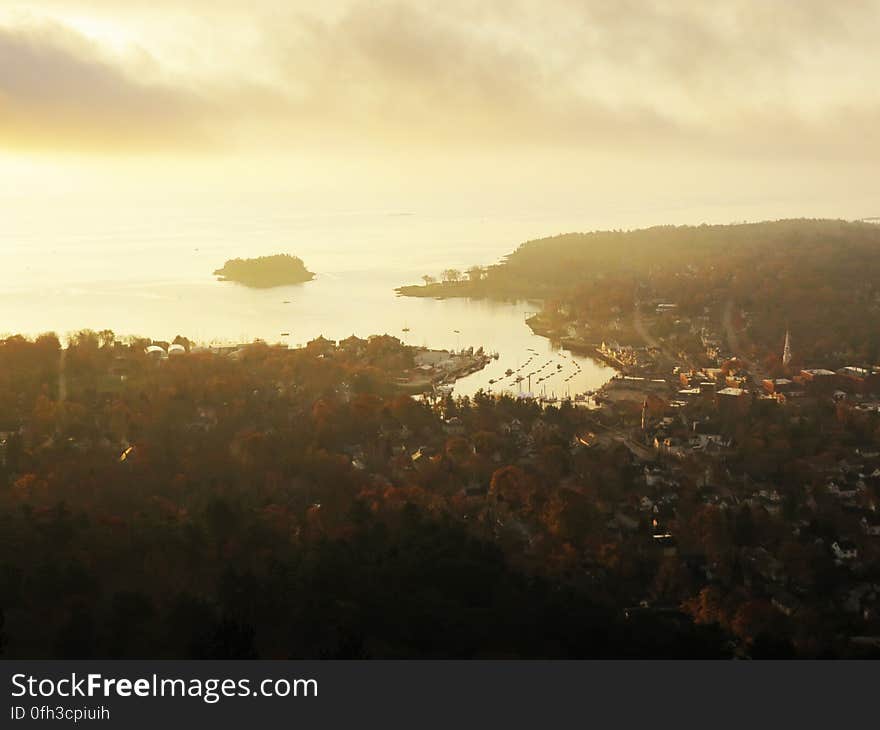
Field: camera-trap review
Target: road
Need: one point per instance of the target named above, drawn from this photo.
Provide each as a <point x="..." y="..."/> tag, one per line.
<point x="639" y="450"/>
<point x="733" y="343"/>
<point x="651" y="341"/>
<point x="647" y="337"/>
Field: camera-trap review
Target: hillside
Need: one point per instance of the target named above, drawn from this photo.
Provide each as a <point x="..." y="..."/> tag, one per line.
<point x="819" y="278"/>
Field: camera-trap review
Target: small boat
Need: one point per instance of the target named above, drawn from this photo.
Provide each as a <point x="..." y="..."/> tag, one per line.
<point x="285" y="334"/>
<point x="405" y="329"/>
<point x="286" y="301"/>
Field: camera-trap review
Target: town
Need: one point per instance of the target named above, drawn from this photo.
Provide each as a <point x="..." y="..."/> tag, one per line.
<point x="757" y="471"/>
<point x="780" y="462"/>
<point x="716" y="498"/>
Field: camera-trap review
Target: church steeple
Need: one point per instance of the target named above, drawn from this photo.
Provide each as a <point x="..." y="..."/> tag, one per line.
<point x="786" y="351"/>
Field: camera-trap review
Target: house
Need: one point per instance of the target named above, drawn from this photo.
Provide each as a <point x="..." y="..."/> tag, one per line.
<point x="707" y="387"/>
<point x="852" y="378"/>
<point x="844" y="550"/>
<point x="871" y="524"/>
<point x="321" y="346"/>
<point x="662" y="514"/>
<point x="819" y="380"/>
<point x="121" y="367"/>
<point x="784" y="602"/>
<point x="769" y="500"/>
<point x="764" y="565"/>
<point x="155" y="352"/>
<point x="353" y="345"/>
<point x="709" y="494"/>
<point x="422" y="455"/>
<point x="439" y="359"/>
<point x="4" y="447"/>
<point x="453" y="426"/>
<point x="667" y="543"/>
<point x="851" y="371"/>
<point x="708" y="442"/>
<point x="845" y="488"/>
<point x="733" y="401"/>
<point x="778" y="385"/>
<point x="691" y="379"/>
<point x="654" y="476"/>
<point x="671" y="445"/>
<point x="513" y="427"/>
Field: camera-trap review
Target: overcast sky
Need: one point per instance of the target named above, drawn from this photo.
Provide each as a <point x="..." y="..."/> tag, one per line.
<point x="631" y="90"/>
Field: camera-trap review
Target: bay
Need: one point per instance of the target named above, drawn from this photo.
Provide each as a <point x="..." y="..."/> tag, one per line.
<point x="148" y="271"/>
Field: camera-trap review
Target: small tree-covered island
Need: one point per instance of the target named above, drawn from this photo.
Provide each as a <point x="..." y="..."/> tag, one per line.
<point x="265" y="272"/>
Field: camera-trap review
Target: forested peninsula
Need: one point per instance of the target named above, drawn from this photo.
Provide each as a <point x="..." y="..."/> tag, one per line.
<point x="820" y="279"/>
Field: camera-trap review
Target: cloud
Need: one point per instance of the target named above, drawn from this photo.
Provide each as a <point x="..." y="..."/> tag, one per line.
<point x="633" y="77"/>
<point x="57" y="90"/>
<point x="399" y="72"/>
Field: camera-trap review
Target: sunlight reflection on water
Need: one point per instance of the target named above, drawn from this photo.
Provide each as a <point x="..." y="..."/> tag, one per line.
<point x="153" y="278"/>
